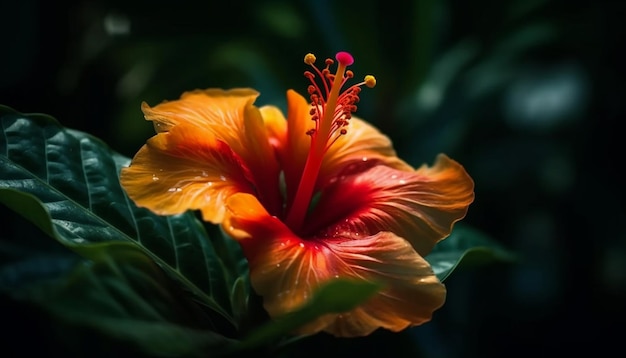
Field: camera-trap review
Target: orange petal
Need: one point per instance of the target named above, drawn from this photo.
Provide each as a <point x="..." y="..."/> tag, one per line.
<point x="295" y="152"/>
<point x="276" y="126"/>
<point x="231" y="117"/>
<point x="185" y="169"/>
<point x="286" y="270"/>
<point x="214" y="110"/>
<point x="259" y="155"/>
<point x="412" y="291"/>
<point x="362" y="147"/>
<point x="222" y="126"/>
<point x="421" y="206"/>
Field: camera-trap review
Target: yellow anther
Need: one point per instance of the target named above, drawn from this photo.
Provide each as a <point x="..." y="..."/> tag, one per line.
<point x="309" y="59"/>
<point x="370" y="81"/>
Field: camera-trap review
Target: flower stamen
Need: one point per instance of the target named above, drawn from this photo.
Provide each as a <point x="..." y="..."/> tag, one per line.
<point x="331" y="111"/>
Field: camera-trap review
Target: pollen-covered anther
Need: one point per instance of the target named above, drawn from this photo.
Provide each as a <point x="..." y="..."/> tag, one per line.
<point x="309" y="59"/>
<point x="370" y="81"/>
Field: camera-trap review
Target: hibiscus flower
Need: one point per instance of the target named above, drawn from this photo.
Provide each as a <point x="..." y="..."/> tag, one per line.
<point x="313" y="197"/>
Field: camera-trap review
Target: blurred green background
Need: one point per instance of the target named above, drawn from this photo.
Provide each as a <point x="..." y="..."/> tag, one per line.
<point x="526" y="94"/>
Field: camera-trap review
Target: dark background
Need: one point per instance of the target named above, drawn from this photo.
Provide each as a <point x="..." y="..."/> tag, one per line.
<point x="527" y="95"/>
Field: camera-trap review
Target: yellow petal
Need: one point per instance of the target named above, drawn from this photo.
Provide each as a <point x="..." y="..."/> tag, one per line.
<point x="286" y="270"/>
<point x="185" y="169"/>
<point x="421" y="206"/>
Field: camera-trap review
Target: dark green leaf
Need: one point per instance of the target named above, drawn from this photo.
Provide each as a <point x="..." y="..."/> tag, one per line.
<point x="66" y="183"/>
<point x="124" y="295"/>
<point x="465" y="246"/>
<point x="336" y="296"/>
<point x="36" y="268"/>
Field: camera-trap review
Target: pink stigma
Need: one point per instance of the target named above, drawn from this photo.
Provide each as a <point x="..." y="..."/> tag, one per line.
<point x="344" y="58"/>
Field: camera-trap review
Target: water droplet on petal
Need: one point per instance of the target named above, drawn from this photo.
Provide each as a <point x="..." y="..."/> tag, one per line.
<point x="301" y="244"/>
<point x="222" y="178"/>
<point x="277" y="265"/>
<point x="155" y="177"/>
<point x="174" y="190"/>
<point x="402" y="181"/>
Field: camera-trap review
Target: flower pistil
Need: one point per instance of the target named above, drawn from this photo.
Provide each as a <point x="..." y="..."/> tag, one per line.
<point x="331" y="110"/>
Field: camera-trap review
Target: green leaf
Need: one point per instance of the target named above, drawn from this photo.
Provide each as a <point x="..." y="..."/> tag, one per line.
<point x="66" y="183"/>
<point x="124" y="295"/>
<point x="465" y="247"/>
<point x="336" y="296"/>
